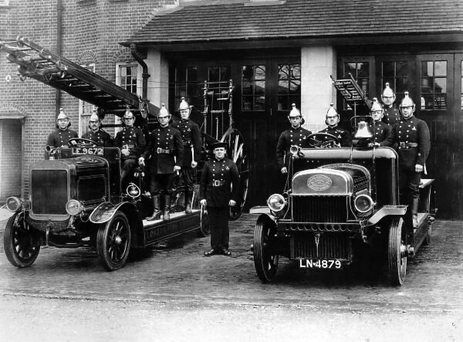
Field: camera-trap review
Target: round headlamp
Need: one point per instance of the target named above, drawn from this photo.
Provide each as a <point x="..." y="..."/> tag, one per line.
<point x="363" y="203"/>
<point x="13" y="204"/>
<point x="74" y="207"/>
<point x="276" y="202"/>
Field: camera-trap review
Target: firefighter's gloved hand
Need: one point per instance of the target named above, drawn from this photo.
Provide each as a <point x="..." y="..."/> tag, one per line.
<point x="125" y="151"/>
<point x="375" y="144"/>
<point x="419" y="168"/>
<point x="194" y="164"/>
<point x="177" y="168"/>
<point x="203" y="202"/>
<point x="232" y="203"/>
<point x="141" y="161"/>
<point x="284" y="169"/>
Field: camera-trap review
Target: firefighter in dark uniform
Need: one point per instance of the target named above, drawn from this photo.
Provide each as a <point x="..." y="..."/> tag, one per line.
<point x="413" y="144"/>
<point x="380" y="130"/>
<point x="332" y="120"/>
<point x="166" y="151"/>
<point x="219" y="186"/>
<point x="132" y="142"/>
<point x="391" y="113"/>
<point x="96" y="134"/>
<point x="191" y="137"/>
<point x="63" y="134"/>
<point x="294" y="136"/>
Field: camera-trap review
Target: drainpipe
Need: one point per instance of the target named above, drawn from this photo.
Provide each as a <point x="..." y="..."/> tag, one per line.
<point x="145" y="75"/>
<point x="59" y="46"/>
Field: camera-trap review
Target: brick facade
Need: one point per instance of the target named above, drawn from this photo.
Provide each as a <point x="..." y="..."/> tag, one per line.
<point x="91" y="31"/>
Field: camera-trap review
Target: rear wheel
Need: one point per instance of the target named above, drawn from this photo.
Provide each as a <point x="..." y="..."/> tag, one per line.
<point x="204" y="229"/>
<point x="20" y="241"/>
<point x="265" y="262"/>
<point x="397" y="253"/>
<point x="113" y="242"/>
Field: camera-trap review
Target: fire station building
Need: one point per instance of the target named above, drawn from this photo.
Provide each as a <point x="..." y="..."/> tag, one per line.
<point x="274" y="52"/>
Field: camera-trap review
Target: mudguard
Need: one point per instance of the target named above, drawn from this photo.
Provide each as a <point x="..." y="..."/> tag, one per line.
<point x="387" y="210"/>
<point x="104" y="212"/>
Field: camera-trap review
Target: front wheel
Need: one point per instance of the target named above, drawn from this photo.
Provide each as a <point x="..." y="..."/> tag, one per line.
<point x="113" y="242"/>
<point x="397" y="253"/>
<point x="265" y="262"/>
<point x="20" y="241"/>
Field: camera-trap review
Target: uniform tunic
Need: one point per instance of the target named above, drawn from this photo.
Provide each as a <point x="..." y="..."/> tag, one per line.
<point x="288" y="138"/>
<point x="191" y="136"/>
<point x="219" y="183"/>
<point x="381" y="131"/>
<point x="391" y="115"/>
<point x="342" y="134"/>
<point x="134" y="139"/>
<point x="100" y="137"/>
<point x="60" y="137"/>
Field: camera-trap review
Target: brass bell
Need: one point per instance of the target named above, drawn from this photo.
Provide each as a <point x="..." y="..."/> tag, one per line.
<point x="133" y="190"/>
<point x="363" y="131"/>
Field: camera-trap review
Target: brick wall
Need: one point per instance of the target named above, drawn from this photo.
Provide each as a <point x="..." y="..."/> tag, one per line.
<point x="91" y="31"/>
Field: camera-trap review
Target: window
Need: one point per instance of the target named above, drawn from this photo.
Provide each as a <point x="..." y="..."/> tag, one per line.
<point x="360" y="71"/>
<point x="396" y="74"/>
<point x="126" y="76"/>
<point x="433" y="85"/>
<point x="253" y="88"/>
<point x="85" y="108"/>
<point x="289" y="86"/>
<point x="187" y="86"/>
<point x="4" y="2"/>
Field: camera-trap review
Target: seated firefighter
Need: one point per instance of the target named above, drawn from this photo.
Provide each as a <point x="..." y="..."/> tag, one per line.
<point x="132" y="142"/>
<point x="61" y="136"/>
<point x="166" y="151"/>
<point x="96" y="133"/>
<point x="332" y="120"/>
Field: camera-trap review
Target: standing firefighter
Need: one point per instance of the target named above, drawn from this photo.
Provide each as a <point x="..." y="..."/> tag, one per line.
<point x="219" y="189"/>
<point x="191" y="138"/>
<point x="413" y="143"/>
<point x="296" y="135"/>
<point x="391" y="113"/>
<point x="61" y="136"/>
<point x="166" y="151"/>
<point x="381" y="130"/>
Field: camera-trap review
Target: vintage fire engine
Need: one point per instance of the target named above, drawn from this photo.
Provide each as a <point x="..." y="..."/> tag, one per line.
<point x="76" y="197"/>
<point x="339" y="202"/>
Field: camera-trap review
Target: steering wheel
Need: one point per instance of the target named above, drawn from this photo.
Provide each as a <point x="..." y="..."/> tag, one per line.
<point x="78" y="142"/>
<point x="323" y="140"/>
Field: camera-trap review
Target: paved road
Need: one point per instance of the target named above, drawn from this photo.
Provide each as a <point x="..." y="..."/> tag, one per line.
<point x="176" y="279"/>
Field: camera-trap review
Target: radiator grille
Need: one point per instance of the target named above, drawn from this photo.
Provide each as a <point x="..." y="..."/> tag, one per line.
<point x="330" y="246"/>
<point x="49" y="191"/>
<point x="319" y="208"/>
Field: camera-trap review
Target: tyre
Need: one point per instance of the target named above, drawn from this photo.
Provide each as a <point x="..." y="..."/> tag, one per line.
<point x="20" y="241"/>
<point x="113" y="242"/>
<point x="204" y="228"/>
<point x="265" y="262"/>
<point x="396" y="253"/>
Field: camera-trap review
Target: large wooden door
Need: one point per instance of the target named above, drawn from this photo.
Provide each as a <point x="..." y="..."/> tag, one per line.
<point x="10" y="158"/>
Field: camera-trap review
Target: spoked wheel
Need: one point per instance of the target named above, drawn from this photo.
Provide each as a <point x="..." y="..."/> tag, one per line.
<point x="204" y="229"/>
<point x="237" y="152"/>
<point x="265" y="262"/>
<point x="113" y="242"/>
<point x="397" y="253"/>
<point x="20" y="241"/>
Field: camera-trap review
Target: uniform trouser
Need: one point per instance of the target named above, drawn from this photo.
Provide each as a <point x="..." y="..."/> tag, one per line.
<point x="188" y="175"/>
<point x="218" y="224"/>
<point x="409" y="187"/>
<point x="161" y="183"/>
<point x="127" y="166"/>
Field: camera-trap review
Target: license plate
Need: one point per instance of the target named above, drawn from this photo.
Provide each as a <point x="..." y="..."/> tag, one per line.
<point x="88" y="150"/>
<point x="320" y="263"/>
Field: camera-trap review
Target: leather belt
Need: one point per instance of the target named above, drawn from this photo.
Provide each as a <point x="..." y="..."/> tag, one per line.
<point x="218" y="182"/>
<point x="405" y="145"/>
<point x="162" y="151"/>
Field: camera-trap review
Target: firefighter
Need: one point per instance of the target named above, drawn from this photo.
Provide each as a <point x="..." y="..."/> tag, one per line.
<point x="380" y="129"/>
<point x="332" y="120"/>
<point x="63" y="134"/>
<point x="191" y="137"/>
<point x="391" y="113"/>
<point x="166" y="151"/>
<point x="413" y="144"/>
<point x="96" y="133"/>
<point x="294" y="136"/>
<point x="132" y="142"/>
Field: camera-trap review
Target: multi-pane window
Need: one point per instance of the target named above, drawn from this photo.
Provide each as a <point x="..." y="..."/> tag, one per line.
<point x="433" y="85"/>
<point x="85" y="108"/>
<point x="360" y="71"/>
<point x="289" y="86"/>
<point x="127" y="77"/>
<point x="253" y="88"/>
<point x="188" y="86"/>
<point x="395" y="73"/>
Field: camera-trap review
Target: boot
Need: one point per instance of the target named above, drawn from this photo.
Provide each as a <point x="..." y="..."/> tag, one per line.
<point x="415" y="204"/>
<point x="157" y="209"/>
<point x="166" y="208"/>
<point x="187" y="203"/>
